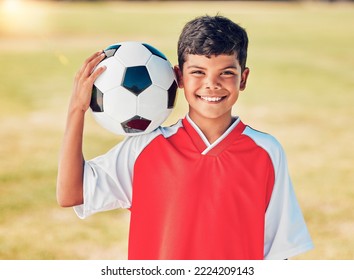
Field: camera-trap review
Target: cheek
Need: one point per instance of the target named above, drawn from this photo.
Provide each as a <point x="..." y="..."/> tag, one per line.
<point x="233" y="85"/>
<point x="190" y="86"/>
<point x="190" y="96"/>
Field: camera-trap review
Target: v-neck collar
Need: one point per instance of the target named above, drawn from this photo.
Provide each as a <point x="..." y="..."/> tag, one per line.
<point x="202" y="143"/>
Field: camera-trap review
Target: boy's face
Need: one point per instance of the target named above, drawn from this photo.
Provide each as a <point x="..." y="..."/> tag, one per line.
<point x="211" y="85"/>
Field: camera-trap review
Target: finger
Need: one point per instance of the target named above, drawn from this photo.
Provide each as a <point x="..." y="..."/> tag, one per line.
<point x="90" y="66"/>
<point x="88" y="60"/>
<point x="93" y="56"/>
<point x="95" y="74"/>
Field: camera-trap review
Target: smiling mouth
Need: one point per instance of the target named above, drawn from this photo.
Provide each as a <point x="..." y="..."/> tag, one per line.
<point x="212" y="99"/>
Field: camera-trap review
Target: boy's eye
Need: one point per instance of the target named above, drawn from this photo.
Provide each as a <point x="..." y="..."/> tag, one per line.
<point x="197" y="72"/>
<point x="228" y="73"/>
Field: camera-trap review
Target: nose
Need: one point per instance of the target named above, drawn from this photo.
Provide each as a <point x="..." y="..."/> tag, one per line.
<point x="212" y="82"/>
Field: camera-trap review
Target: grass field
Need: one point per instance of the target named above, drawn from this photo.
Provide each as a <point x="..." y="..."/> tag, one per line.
<point x="301" y="89"/>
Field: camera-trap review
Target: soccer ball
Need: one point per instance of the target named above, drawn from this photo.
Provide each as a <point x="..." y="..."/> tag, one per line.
<point x="137" y="91"/>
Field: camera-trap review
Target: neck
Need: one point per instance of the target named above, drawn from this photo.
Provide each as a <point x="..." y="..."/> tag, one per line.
<point x="212" y="128"/>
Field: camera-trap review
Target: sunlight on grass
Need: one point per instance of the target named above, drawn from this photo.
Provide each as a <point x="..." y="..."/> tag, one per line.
<point x="21" y="17"/>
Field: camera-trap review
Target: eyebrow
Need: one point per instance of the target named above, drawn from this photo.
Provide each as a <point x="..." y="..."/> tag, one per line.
<point x="200" y="67"/>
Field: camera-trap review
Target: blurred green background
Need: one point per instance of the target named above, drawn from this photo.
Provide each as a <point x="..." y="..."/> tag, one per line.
<point x="300" y="90"/>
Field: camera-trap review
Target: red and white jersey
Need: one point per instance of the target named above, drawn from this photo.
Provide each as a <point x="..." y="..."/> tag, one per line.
<point x="189" y="199"/>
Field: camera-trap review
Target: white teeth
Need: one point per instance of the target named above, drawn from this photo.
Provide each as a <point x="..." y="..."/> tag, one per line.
<point x="211" y="99"/>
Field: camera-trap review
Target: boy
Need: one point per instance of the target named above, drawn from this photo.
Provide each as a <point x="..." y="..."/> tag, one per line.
<point x="208" y="187"/>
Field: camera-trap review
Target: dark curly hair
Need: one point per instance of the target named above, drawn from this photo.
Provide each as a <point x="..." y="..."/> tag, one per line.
<point x="212" y="35"/>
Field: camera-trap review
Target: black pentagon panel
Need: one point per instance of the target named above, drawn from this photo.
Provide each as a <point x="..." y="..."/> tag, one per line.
<point x="111" y="50"/>
<point x="135" y="124"/>
<point x="155" y="51"/>
<point x="172" y="92"/>
<point x="96" y="103"/>
<point x="136" y="79"/>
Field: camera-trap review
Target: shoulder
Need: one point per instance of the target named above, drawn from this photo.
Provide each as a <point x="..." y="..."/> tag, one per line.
<point x="169" y="131"/>
<point x="261" y="138"/>
<point x="127" y="151"/>
<point x="164" y="131"/>
<point x="267" y="142"/>
<point x="138" y="143"/>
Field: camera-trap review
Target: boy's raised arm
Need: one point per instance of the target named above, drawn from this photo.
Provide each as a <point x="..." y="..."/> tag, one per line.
<point x="71" y="161"/>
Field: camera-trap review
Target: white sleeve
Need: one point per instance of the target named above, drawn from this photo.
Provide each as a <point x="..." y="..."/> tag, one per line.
<point x="286" y="234"/>
<point x="107" y="181"/>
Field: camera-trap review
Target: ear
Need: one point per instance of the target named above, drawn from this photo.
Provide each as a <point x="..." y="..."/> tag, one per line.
<point x="179" y="76"/>
<point x="244" y="77"/>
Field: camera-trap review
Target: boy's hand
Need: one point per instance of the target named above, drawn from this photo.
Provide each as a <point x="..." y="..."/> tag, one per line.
<point x="84" y="80"/>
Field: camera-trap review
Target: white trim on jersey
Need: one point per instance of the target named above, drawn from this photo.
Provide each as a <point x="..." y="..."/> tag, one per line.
<point x="205" y="140"/>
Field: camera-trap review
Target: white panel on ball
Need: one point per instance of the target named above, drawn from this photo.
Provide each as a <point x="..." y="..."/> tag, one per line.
<point x="119" y="104"/>
<point x="112" y="76"/>
<point x="140" y="57"/>
<point x="160" y="71"/>
<point x="155" y="123"/>
<point x="152" y="102"/>
<point x="108" y="123"/>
